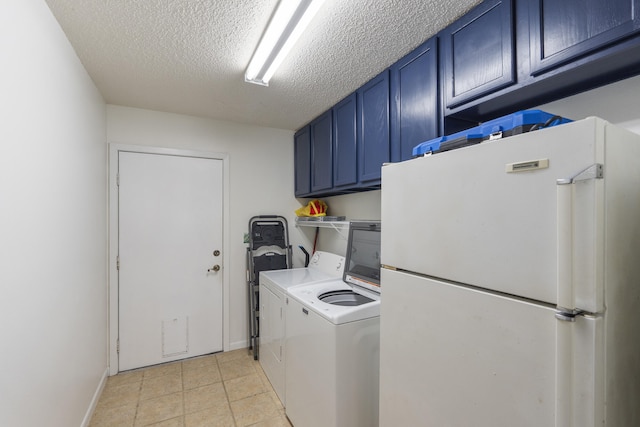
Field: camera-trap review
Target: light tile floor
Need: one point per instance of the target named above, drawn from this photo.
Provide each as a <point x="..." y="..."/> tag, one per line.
<point x="222" y="390"/>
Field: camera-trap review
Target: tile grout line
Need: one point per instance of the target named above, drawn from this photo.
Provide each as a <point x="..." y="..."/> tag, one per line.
<point x="135" y="418"/>
<point x="226" y="394"/>
<point x="184" y="406"/>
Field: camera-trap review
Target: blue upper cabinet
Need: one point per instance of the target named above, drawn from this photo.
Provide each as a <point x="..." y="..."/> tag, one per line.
<point x="373" y="128"/>
<point x="302" y="157"/>
<point x="478" y="52"/>
<point x="321" y="153"/>
<point x="345" y="171"/>
<point x="563" y="30"/>
<point x="414" y="100"/>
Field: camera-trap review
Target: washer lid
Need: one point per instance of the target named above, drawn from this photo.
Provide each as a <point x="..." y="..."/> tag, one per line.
<point x="363" y="255"/>
<point x="328" y="262"/>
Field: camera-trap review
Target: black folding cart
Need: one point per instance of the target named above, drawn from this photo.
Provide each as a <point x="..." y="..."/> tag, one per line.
<point x="269" y="249"/>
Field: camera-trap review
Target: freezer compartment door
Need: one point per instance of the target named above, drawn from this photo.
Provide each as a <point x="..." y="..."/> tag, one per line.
<point x="488" y="215"/>
<point x="456" y="356"/>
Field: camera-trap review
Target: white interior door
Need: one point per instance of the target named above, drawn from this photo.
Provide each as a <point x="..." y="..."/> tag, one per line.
<point x="170" y="230"/>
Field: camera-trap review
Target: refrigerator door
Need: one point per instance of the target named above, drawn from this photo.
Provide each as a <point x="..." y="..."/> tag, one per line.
<point x="455" y="356"/>
<point x="487" y="215"/>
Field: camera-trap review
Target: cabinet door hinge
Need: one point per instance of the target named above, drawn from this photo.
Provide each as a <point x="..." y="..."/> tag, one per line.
<point x="118" y="262"/>
<point x="118" y="180"/>
<point x="118" y="346"/>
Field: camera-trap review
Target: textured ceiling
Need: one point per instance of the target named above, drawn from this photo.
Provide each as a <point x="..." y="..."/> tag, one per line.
<point x="189" y="56"/>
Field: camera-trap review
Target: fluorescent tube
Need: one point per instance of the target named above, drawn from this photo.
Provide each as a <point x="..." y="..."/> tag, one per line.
<point x="287" y="23"/>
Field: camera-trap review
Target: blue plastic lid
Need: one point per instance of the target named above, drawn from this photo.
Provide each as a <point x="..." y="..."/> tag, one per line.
<point x="484" y="130"/>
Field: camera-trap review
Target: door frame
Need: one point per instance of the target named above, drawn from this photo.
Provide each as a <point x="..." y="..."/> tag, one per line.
<point x="114" y="150"/>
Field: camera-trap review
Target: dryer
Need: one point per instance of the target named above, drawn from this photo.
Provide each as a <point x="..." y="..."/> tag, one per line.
<point x="323" y="266"/>
<point x="333" y="341"/>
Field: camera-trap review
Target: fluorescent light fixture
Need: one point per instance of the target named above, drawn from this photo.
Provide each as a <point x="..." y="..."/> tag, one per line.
<point x="287" y="23"/>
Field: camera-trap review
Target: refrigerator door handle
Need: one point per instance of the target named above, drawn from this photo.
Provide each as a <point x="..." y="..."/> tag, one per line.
<point x="565" y="225"/>
<point x="580" y="379"/>
<point x="564" y="245"/>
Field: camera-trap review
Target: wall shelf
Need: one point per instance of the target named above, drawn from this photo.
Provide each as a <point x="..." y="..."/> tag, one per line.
<point x="338" y="226"/>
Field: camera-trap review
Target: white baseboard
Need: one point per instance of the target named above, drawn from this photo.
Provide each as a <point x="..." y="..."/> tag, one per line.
<point x="237" y="345"/>
<point x="95" y="399"/>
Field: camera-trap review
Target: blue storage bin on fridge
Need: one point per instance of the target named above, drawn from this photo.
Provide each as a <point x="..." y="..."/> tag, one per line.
<point x="513" y="124"/>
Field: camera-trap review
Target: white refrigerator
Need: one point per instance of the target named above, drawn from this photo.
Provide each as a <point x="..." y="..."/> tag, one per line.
<point x="511" y="282"/>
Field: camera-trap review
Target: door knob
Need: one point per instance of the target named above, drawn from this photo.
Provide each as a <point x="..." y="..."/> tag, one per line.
<point x="214" y="268"/>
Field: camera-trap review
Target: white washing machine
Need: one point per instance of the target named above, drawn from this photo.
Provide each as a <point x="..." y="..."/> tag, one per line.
<point x="333" y="341"/>
<point x="323" y="266"/>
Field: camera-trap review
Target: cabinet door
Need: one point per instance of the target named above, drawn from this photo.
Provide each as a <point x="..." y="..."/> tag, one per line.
<point x="562" y="30"/>
<point x="345" y="171"/>
<point x="414" y="100"/>
<point x="373" y="128"/>
<point x="478" y="52"/>
<point x="302" y="157"/>
<point x="321" y="149"/>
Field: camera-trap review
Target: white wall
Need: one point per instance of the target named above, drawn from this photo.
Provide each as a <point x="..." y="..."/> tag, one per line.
<point x="617" y="103"/>
<point x="53" y="307"/>
<point x="261" y="179"/>
<point x="365" y="206"/>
